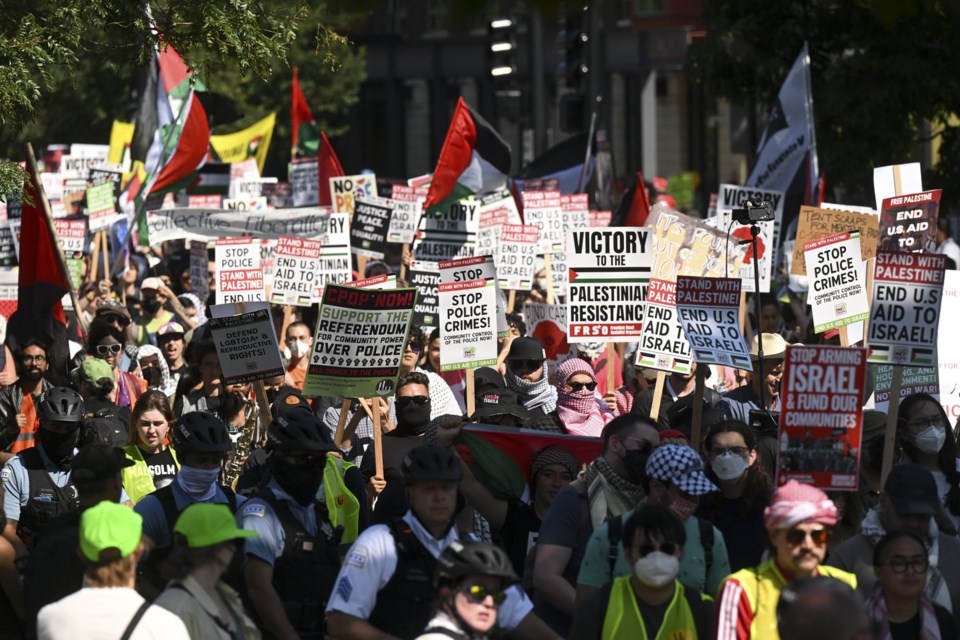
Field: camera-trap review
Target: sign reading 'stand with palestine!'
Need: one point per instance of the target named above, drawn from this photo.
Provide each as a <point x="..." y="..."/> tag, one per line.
<point x="709" y="310"/>
<point x="359" y="343"/>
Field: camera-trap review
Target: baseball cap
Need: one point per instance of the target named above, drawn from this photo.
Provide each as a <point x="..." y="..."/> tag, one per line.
<point x="205" y="524"/>
<point x="94" y="369"/>
<point x="97" y="461"/>
<point x="170" y="328"/>
<point x="287" y="400"/>
<point x="501" y="402"/>
<point x="488" y="376"/>
<point x="912" y="490"/>
<point x="109" y="305"/>
<point x="109" y="526"/>
<point x="680" y="466"/>
<point x="526" y="349"/>
<point x="151" y="283"/>
<point x="774" y="346"/>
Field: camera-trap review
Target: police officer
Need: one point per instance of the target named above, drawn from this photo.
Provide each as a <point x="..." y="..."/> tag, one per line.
<point x="303" y="514"/>
<point x="202" y="445"/>
<point x="385" y="587"/>
<point x="36" y="481"/>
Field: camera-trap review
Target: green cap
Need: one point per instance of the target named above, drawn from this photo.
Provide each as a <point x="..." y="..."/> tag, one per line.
<point x="94" y="369"/>
<point x="204" y="525"/>
<point x="109" y="526"/>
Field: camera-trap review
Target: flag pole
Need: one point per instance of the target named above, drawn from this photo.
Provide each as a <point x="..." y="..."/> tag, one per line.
<point x="52" y="231"/>
<point x="586" y="155"/>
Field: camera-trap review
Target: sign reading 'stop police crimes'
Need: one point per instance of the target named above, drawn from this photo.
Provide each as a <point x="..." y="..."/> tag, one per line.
<point x="360" y="338"/>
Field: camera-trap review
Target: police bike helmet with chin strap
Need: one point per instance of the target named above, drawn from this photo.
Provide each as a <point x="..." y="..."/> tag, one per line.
<point x="462" y="559"/>
<point x="431" y="462"/>
<point x="201" y="432"/>
<point x="299" y="430"/>
<point x="61" y="404"/>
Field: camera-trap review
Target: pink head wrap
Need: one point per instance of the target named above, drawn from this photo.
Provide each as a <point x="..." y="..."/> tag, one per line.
<point x="579" y="411"/>
<point x="795" y="503"/>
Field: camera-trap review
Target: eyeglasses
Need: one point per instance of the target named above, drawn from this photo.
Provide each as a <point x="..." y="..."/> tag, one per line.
<point x="37" y="359"/>
<point x="104" y="349"/>
<point x="577" y="386"/>
<point x="477" y="593"/>
<point x="524" y="365"/>
<point x="917" y="564"/>
<point x="817" y="536"/>
<point x="644" y="445"/>
<point x="403" y="401"/>
<point x="737" y="451"/>
<point x="922" y="423"/>
<point x="669" y="548"/>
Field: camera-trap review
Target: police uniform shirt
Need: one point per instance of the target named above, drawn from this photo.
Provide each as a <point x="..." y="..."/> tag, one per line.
<point x="16" y="483"/>
<point x="257" y="515"/>
<point x="372" y="561"/>
<point x="155" y="522"/>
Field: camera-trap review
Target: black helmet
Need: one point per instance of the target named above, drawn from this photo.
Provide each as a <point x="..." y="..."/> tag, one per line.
<point x="61" y="404"/>
<point x="299" y="430"/>
<point x="431" y="462"/>
<point x="201" y="432"/>
<point x="469" y="558"/>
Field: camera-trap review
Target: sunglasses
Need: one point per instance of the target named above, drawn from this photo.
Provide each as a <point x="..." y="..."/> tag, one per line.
<point x="416" y="347"/>
<point x="817" y="536"/>
<point x="477" y="593"/>
<point x="524" y="365"/>
<point x="577" y="386"/>
<point x="104" y="349"/>
<point x="669" y="548"/>
<point x="304" y="460"/>
<point x="112" y="317"/>
<point x="403" y="401"/>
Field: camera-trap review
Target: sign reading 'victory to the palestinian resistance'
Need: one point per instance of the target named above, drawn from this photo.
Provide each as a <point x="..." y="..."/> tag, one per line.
<point x="449" y="233"/>
<point x="359" y="342"/>
<point x="907" y="289"/>
<point x="609" y="269"/>
<point x="709" y="310"/>
<point x="838" y="295"/>
<point x="663" y="345"/>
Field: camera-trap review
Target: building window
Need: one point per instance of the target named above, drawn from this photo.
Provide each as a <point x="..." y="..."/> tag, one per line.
<point x="436" y="16"/>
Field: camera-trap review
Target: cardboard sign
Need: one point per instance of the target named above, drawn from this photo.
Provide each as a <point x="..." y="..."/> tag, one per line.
<point x="246" y="342"/>
<point x="468" y="314"/>
<point x="516" y="256"/>
<point x="199" y="269"/>
<point x="909" y="223"/>
<point x="101" y="209"/>
<point x="72" y="234"/>
<point x="735" y="197"/>
<point x="295" y="271"/>
<point x="687" y="246"/>
<point x="335" y="264"/>
<point x="814" y="223"/>
<point x="895" y="180"/>
<point x="912" y="380"/>
<point x="206" y="224"/>
<point x="425" y="276"/>
<point x="360" y="337"/>
<point x="449" y="233"/>
<point x="609" y="269"/>
<point x="368" y="230"/>
<point x="542" y="208"/>
<point x="907" y="288"/>
<point x="304" y="182"/>
<point x="663" y="344"/>
<point x="239" y="273"/>
<point x="821" y="419"/>
<point x="346" y="189"/>
<point x="838" y="294"/>
<point x="709" y="310"/>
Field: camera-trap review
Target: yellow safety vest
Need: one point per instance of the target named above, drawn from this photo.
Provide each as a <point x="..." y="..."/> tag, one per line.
<point x="343" y="508"/>
<point x="623" y="618"/>
<point x="137" y="481"/>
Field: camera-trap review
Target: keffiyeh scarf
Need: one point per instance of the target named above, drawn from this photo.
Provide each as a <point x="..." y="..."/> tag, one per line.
<point x="877" y="608"/>
<point x="533" y="395"/>
<point x="608" y="494"/>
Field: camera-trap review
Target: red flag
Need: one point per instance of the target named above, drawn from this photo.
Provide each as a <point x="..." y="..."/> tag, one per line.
<point x="328" y="166"/>
<point x="301" y="116"/>
<point x="191" y="150"/>
<point x="639" y="204"/>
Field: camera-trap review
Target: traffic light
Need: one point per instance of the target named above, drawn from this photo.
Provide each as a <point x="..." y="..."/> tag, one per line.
<point x="574" y="55"/>
<point x="502" y="51"/>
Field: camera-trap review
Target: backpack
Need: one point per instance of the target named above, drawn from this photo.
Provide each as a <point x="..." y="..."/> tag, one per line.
<point x="103" y="427"/>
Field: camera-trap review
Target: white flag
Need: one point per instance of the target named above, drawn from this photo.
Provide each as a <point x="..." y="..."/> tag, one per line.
<point x="789" y="133"/>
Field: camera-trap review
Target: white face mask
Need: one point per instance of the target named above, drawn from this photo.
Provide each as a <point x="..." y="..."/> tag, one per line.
<point x="729" y="466"/>
<point x="299" y="349"/>
<point x="931" y="439"/>
<point x="656" y="569"/>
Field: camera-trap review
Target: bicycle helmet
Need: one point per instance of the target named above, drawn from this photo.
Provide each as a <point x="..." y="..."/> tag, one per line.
<point x="61" y="404"/>
<point x="299" y="430"/>
<point x="473" y="558"/>
<point x="201" y="432"/>
<point x="431" y="462"/>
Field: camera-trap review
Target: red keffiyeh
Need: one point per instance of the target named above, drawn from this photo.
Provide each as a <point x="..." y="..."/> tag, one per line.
<point x="581" y="412"/>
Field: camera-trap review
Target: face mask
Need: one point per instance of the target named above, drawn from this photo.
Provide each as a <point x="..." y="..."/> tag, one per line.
<point x="729" y="466"/>
<point x="682" y="507"/>
<point x="300" y="349"/>
<point x="153" y="376"/>
<point x="930" y="440"/>
<point x="635" y="462"/>
<point x="656" y="569"/>
<point x="542" y="284"/>
<point x="413" y="419"/>
<point x="151" y="306"/>
<point x="59" y="446"/>
<point x="302" y="483"/>
<point x="199" y="484"/>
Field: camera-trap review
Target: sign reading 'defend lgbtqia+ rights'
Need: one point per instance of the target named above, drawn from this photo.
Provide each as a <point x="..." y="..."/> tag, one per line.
<point x="709" y="310"/>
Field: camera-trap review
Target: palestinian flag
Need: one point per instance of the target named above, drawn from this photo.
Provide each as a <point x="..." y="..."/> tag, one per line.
<point x="474" y="159"/>
<point x="502" y="457"/>
<point x="305" y="137"/>
<point x="328" y="166"/>
<point x="562" y="162"/>
<point x="634" y="207"/>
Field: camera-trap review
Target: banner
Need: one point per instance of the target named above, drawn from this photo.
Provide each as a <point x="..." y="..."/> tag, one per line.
<point x="709" y="310"/>
<point x="820" y="418"/>
<point x="516" y="256"/>
<point x="814" y="223"/>
<point x="468" y="312"/>
<point x="246" y="342"/>
<point x="609" y="269"/>
<point x="206" y="224"/>
<point x="199" y="269"/>
<point x="239" y="273"/>
<point x="295" y="271"/>
<point x="909" y="223"/>
<point x="335" y="265"/>
<point x="450" y="233"/>
<point x="360" y="337"/>
<point x="907" y="288"/>
<point x="305" y="182"/>
<point x="838" y="295"/>
<point x="252" y="142"/>
<point x="542" y="208"/>
<point x="368" y="231"/>
<point x="663" y="344"/>
<point x="344" y="190"/>
<point x="425" y="276"/>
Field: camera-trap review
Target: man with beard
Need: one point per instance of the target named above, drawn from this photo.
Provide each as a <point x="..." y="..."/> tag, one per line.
<point x="303" y="515"/>
<point x="18" y="401"/>
<point x="527" y="376"/>
<point x="675" y="387"/>
<point x="36" y="482"/>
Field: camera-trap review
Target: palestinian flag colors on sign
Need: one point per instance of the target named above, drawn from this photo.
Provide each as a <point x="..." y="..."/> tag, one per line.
<point x="474" y="159"/>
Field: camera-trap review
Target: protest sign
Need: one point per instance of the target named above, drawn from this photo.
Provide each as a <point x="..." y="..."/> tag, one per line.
<point x="425" y="276"/>
<point x="295" y="271"/>
<point x="542" y="208"/>
<point x="913" y="380"/>
<point x="81" y="159"/>
<point x="14" y="225"/>
<point x="335" y="266"/>
<point x="735" y="197"/>
<point x="576" y="211"/>
<point x="205" y="201"/>
<point x="895" y="180"/>
<point x="838" y="294"/>
<point x="516" y="256"/>
<point x="72" y="234"/>
<point x="239" y="272"/>
<point x="101" y="209"/>
<point x="907" y="288"/>
<point x="360" y="337"/>
<point x="449" y="233"/>
<point x="609" y="269"/>
<point x="368" y="230"/>
<point x="403" y="221"/>
<point x="814" y="223"/>
<point x="468" y="312"/>
<point x="304" y="182"/>
<point x="375" y="282"/>
<point x="663" y="345"/>
<point x="709" y="311"/>
<point x="258" y="203"/>
<point x="344" y="191"/>
<point x="492" y="221"/>
<point x="820" y="419"/>
<point x="199" y="269"/>
<point x="52" y="185"/>
<point x="548" y="324"/>
<point x="687" y="246"/>
<point x="948" y="347"/>
<point x="246" y="342"/>
<point x="207" y="224"/>
<point x="559" y="273"/>
<point x="600" y="218"/>
<point x="909" y="223"/>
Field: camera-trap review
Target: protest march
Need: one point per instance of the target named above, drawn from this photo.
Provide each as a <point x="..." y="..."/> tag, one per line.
<point x="334" y="403"/>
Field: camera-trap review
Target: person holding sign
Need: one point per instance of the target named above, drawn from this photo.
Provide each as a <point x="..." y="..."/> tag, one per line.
<point x="579" y="409"/>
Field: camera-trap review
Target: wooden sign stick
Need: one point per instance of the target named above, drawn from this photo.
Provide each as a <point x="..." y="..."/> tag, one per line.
<point x="548" y="272"/>
<point x="657" y="396"/>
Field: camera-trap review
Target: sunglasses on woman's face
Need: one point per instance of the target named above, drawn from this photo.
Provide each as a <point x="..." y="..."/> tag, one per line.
<point x="577" y="386"/>
<point x="478" y="593"/>
<point x="104" y="349"/>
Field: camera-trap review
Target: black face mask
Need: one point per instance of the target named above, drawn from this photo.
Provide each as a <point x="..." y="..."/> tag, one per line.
<point x="635" y="463"/>
<point x="59" y="446"/>
<point x="153" y="376"/>
<point x="151" y="306"/>
<point x="300" y="481"/>
<point x="413" y="419"/>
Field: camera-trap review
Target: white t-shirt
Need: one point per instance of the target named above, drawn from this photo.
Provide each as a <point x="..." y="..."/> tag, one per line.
<point x="103" y="614"/>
